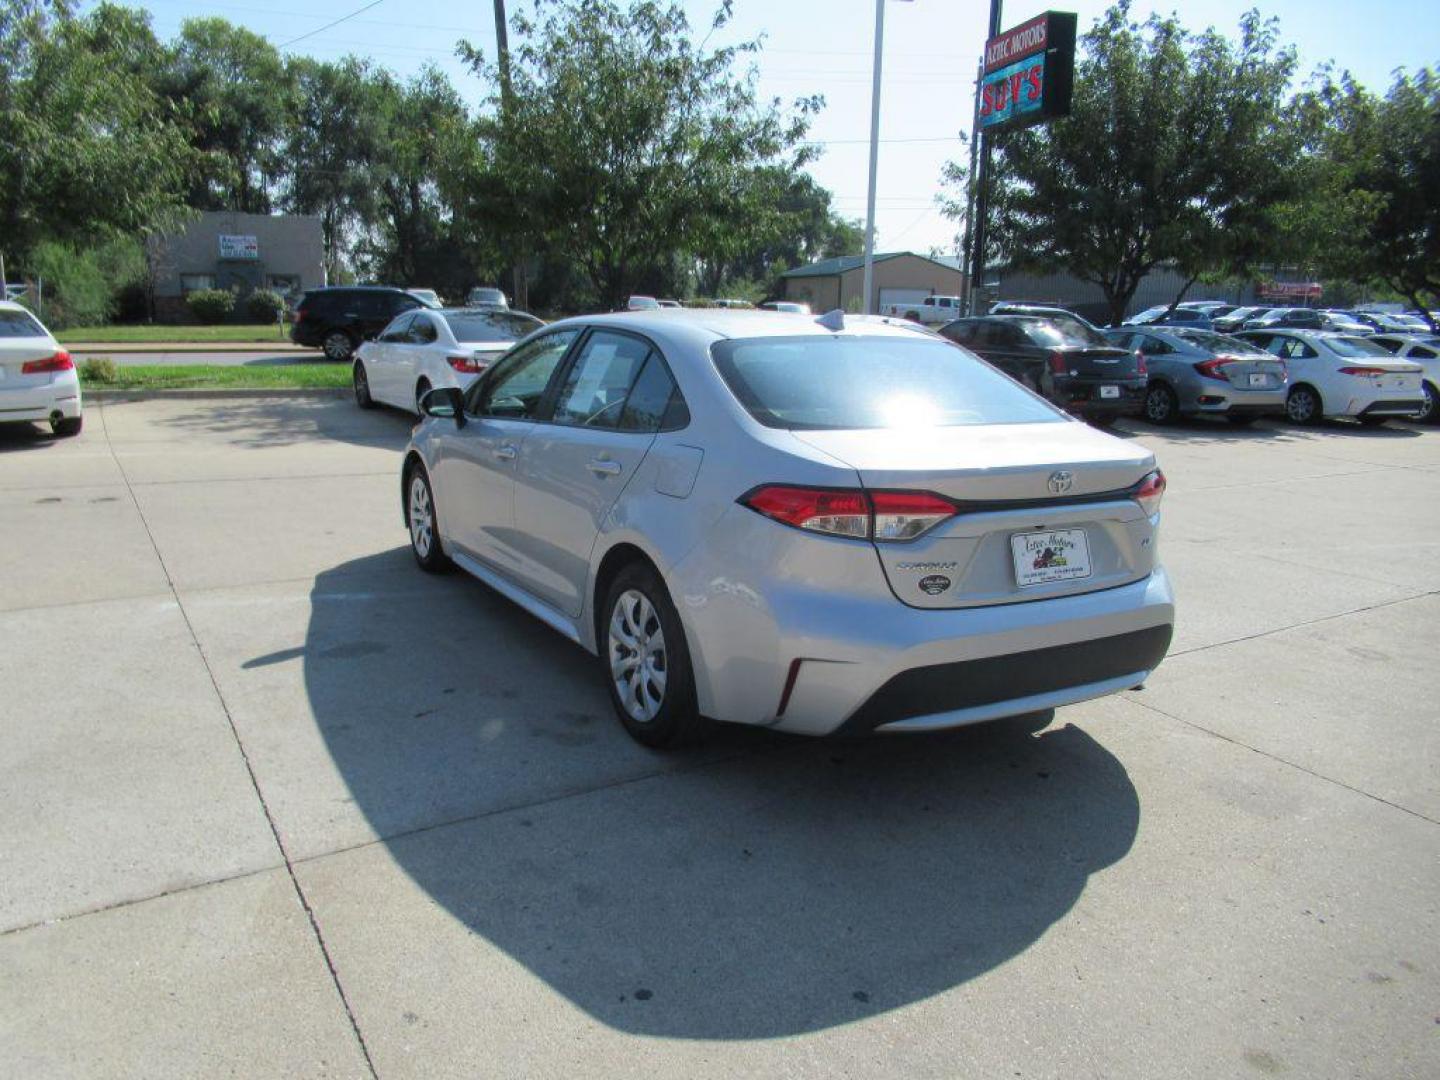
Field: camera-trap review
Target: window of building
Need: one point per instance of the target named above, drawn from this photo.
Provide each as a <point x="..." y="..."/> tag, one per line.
<point x="194" y="282"/>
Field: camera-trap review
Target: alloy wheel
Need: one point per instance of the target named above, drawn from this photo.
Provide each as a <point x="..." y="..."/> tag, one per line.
<point x="1300" y="406"/>
<point x="638" y="660"/>
<point x="337" y="345"/>
<point x="1159" y="409"/>
<point x="422" y="518"/>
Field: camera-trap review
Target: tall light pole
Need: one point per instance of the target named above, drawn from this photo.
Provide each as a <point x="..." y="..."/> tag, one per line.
<point x="868" y="307"/>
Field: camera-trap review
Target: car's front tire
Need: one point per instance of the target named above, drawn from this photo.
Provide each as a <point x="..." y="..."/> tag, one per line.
<point x="646" y="662"/>
<point x="337" y="345"/>
<point x="424" y="524"/>
<point x="67" y="426"/>
<point x="362" y="386"/>
<point x="1431" y="413"/>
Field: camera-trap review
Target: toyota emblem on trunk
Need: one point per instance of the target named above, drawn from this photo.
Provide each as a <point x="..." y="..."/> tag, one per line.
<point x="1061" y="482"/>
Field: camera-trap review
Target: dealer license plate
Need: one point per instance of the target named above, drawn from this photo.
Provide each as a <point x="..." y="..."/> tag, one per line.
<point x="1043" y="557"/>
<point x="1109" y="391"/>
<point x="1258" y="378"/>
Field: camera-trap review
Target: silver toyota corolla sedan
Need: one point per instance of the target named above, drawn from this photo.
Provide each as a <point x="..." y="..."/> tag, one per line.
<point x="817" y="525"/>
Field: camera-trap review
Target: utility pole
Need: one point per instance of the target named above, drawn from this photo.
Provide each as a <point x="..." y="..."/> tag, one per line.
<point x="868" y="307"/>
<point x="971" y="188"/>
<point x="520" y="285"/>
<point x="982" y="193"/>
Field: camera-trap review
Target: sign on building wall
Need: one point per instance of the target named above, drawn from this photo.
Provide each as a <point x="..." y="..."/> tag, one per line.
<point x="1029" y="73"/>
<point x="239" y="247"/>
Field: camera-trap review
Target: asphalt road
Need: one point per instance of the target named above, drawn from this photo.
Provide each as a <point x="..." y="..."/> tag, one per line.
<point x="228" y="357"/>
<point x="277" y="804"/>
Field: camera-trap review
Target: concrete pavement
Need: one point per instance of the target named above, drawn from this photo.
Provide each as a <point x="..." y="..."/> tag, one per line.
<point x="279" y="805"/>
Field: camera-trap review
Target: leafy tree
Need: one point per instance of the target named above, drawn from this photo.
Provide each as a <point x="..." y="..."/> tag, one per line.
<point x="622" y="140"/>
<point x="235" y="94"/>
<point x="86" y="146"/>
<point x="1169" y="155"/>
<point x="1374" y="177"/>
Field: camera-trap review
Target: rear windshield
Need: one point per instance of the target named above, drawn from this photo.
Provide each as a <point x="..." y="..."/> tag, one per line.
<point x="1355" y="346"/>
<point x="829" y="382"/>
<point x="1058" y="330"/>
<point x="490" y="325"/>
<point x="19" y="324"/>
<point x="1218" y="343"/>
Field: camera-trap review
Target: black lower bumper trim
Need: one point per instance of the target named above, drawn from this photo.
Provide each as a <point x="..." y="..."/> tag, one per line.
<point x="965" y="684"/>
<point x="1399" y="409"/>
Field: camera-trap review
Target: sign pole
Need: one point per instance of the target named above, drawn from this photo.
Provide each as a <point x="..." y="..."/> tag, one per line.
<point x="868" y="307"/>
<point x="970" y="195"/>
<point x="982" y="189"/>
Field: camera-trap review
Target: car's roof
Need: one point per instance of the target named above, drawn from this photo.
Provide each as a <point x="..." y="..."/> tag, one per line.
<point x="11" y="305"/>
<point x="701" y="327"/>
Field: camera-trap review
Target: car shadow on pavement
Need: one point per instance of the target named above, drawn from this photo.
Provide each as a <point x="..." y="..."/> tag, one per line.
<point x="261" y="422"/>
<point x="755" y="887"/>
<point x="14" y="437"/>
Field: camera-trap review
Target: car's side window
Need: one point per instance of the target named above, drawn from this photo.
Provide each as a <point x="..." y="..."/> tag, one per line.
<point x="598" y="382"/>
<point x="1424" y="353"/>
<point x="655" y="402"/>
<point x="962" y="332"/>
<point x="1153" y="346"/>
<point x="422" y="330"/>
<point x="516" y="385"/>
<point x="397" y="330"/>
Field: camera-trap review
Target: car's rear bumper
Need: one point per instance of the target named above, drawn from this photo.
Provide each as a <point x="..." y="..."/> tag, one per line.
<point x="1404" y="408"/>
<point x="27" y="404"/>
<point x="1235" y="401"/>
<point x="1083" y="396"/>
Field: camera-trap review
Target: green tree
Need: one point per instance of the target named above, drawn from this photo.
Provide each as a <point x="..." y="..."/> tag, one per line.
<point x="622" y="141"/>
<point x="1374" y="215"/>
<point x="87" y="148"/>
<point x="235" y="94"/>
<point x="1173" y="153"/>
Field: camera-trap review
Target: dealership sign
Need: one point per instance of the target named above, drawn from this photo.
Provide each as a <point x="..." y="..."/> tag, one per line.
<point x="239" y="247"/>
<point x="1028" y="73"/>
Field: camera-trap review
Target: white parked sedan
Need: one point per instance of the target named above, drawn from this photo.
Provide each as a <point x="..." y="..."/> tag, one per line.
<point x="1341" y="375"/>
<point x="38" y="382"/>
<point x="422" y="350"/>
<point x="1422" y="349"/>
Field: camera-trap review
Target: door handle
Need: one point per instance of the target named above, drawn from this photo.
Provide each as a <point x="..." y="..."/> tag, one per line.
<point x="506" y="452"/>
<point x="603" y="467"/>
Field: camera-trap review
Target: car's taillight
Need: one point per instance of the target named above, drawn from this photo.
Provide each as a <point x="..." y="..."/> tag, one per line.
<point x="904" y="515"/>
<point x="1371" y="372"/>
<point x="1140" y="366"/>
<point x="466" y="365"/>
<point x="1057" y="363"/>
<point x="1214" y="368"/>
<point x="59" y="362"/>
<point x="881" y="515"/>
<point x="1149" y="492"/>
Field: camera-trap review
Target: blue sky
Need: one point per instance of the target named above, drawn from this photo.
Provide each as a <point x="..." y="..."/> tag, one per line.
<point x="824" y="46"/>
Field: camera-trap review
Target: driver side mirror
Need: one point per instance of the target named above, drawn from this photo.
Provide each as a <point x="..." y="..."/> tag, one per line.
<point x="446" y="403"/>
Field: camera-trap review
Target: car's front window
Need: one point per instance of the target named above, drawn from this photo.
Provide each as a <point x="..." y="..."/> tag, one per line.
<point x="833" y="382"/>
<point x="516" y="385"/>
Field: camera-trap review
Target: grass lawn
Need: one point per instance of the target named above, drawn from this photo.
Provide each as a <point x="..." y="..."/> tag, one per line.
<point x="267" y="333"/>
<point x="230" y="377"/>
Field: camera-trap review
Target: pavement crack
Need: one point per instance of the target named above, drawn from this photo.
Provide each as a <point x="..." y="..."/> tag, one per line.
<point x="1306" y="622"/>
<point x="1282" y="761"/>
<point x="249" y="766"/>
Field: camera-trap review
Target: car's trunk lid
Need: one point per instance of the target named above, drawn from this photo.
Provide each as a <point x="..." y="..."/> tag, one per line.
<point x="1099" y="361"/>
<point x="1042" y="486"/>
<point x="15" y="353"/>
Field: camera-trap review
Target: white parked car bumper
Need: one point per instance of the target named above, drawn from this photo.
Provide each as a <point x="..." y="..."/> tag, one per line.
<point x="45" y="401"/>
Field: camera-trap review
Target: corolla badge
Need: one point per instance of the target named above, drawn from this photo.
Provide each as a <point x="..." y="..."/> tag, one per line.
<point x="1060" y="482"/>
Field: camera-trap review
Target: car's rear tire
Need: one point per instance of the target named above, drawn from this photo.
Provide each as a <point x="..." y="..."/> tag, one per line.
<point x="1161" y="404"/>
<point x="338" y="345"/>
<point x="423" y="522"/>
<point x="362" y="386"/>
<point x="1431" y="413"/>
<point x="421" y="389"/>
<point x="646" y="662"/>
<point x="67" y="426"/>
<point x="1302" y="406"/>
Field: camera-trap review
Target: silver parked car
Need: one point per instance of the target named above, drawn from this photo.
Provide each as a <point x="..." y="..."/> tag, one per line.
<point x="1197" y="371"/>
<point x="815" y="525"/>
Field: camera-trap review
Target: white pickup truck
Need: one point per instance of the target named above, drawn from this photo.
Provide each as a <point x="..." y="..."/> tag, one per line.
<point x="931" y="311"/>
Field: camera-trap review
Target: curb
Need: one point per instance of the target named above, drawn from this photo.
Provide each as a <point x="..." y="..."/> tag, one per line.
<point x="201" y="393"/>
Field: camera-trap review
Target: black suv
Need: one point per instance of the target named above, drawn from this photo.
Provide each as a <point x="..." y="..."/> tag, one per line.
<point x="338" y="318"/>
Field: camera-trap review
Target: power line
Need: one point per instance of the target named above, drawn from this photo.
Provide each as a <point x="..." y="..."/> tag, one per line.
<point x="327" y="26"/>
